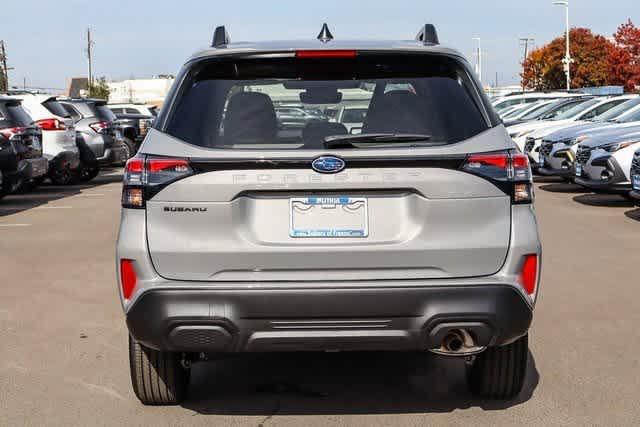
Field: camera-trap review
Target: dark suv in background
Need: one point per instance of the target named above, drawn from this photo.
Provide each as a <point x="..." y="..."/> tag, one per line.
<point x="134" y="123"/>
<point x="97" y="127"/>
<point x="23" y="165"/>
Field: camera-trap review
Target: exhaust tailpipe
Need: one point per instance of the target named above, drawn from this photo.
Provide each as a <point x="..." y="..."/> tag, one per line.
<point x="458" y="342"/>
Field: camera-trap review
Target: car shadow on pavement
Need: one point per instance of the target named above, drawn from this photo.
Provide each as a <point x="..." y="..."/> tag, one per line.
<point x="46" y="193"/>
<point x="633" y="214"/>
<point x="564" y="187"/>
<point x="604" y="200"/>
<point x="337" y="384"/>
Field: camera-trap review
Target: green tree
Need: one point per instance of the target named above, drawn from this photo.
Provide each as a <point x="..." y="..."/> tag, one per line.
<point x="99" y="89"/>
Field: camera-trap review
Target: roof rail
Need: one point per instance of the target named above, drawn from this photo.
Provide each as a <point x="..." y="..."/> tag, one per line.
<point x="428" y="35"/>
<point x="220" y="37"/>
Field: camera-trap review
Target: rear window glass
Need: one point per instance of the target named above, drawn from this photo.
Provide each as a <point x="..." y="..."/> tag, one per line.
<point x="577" y="109"/>
<point x="104" y="113"/>
<point x="13" y="115"/>
<point x="619" y="110"/>
<point x="245" y="103"/>
<point x="55" y="108"/>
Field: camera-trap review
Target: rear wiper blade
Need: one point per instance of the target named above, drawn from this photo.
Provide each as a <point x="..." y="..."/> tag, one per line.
<point x="352" y="141"/>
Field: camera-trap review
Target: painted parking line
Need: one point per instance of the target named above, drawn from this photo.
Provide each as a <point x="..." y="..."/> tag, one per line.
<point x="15" y="225"/>
<point x="55" y="207"/>
<point x="91" y="194"/>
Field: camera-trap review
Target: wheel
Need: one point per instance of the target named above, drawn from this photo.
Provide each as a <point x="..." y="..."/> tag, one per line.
<point x="61" y="176"/>
<point x="158" y="377"/>
<point x="131" y="148"/>
<point x="499" y="372"/>
<point x="86" y="173"/>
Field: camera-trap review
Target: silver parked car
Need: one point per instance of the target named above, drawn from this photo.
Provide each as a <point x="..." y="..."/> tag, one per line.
<point x="418" y="234"/>
<point x="95" y="124"/>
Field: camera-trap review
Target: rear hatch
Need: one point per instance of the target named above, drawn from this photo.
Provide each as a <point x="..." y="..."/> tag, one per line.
<point x="18" y="127"/>
<point x="54" y="107"/>
<point x="233" y="197"/>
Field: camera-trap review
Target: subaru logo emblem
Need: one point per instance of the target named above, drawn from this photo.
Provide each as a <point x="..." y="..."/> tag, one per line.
<point x="328" y="164"/>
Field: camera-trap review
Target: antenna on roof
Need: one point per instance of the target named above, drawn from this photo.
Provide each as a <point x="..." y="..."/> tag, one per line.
<point x="428" y="35"/>
<point x="220" y="37"/>
<point x="325" y="35"/>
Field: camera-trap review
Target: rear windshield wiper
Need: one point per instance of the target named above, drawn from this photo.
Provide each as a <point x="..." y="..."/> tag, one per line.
<point x="352" y="141"/>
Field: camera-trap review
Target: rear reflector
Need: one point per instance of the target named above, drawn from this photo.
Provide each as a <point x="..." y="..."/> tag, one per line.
<point x="128" y="278"/>
<point x="529" y="274"/>
<point x="326" y="54"/>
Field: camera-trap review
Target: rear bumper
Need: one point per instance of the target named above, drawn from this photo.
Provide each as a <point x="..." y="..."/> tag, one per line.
<point x="39" y="166"/>
<point x="209" y="321"/>
<point x="115" y="154"/>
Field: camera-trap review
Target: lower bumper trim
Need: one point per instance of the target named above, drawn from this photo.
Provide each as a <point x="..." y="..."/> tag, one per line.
<point x="326" y="319"/>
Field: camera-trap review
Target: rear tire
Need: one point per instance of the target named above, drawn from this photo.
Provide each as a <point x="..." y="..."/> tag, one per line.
<point x="158" y="377"/>
<point x="61" y="176"/>
<point x="87" y="172"/>
<point x="499" y="372"/>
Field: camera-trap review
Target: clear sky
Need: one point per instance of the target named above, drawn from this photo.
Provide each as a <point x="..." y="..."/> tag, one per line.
<point x="140" y="38"/>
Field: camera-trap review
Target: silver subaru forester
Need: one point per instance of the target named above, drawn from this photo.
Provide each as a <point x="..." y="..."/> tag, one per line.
<point x="411" y="230"/>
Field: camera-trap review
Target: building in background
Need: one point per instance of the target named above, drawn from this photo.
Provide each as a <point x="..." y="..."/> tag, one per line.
<point x="140" y="91"/>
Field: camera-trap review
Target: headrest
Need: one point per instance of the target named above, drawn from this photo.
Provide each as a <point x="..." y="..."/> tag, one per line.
<point x="250" y="119"/>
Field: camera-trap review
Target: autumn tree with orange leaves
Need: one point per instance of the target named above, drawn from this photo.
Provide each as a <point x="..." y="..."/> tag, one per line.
<point x="624" y="57"/>
<point x="543" y="68"/>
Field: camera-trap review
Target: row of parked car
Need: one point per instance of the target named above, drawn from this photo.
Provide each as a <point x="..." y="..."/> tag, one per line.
<point x="64" y="140"/>
<point x="591" y="141"/>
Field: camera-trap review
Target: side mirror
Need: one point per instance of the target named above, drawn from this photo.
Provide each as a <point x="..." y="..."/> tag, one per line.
<point x="355" y="130"/>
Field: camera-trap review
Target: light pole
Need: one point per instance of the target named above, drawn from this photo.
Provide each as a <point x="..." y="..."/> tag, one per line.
<point x="524" y="41"/>
<point x="479" y="63"/>
<point x="567" y="61"/>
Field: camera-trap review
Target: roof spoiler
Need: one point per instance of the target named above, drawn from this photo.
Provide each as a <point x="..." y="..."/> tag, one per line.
<point x="220" y="37"/>
<point x="428" y="35"/>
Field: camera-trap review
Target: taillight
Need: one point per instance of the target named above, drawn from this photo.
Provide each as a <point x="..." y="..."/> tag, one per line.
<point x="51" y="124"/>
<point x="99" y="126"/>
<point x="326" y="54"/>
<point x="529" y="274"/>
<point x="510" y="171"/>
<point x="128" y="278"/>
<point x="11" y="132"/>
<point x="145" y="176"/>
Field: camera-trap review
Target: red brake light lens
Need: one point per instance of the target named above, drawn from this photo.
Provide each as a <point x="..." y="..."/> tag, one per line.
<point x="11" y="132"/>
<point x="128" y="278"/>
<point x="326" y="54"/>
<point x="51" y="124"/>
<point x="500" y="161"/>
<point x="529" y="274"/>
<point x="99" y="126"/>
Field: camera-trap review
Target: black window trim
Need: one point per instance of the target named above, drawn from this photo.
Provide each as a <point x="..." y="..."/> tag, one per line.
<point x="178" y="89"/>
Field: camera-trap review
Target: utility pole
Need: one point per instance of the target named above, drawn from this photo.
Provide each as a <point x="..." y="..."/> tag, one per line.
<point x="567" y="61"/>
<point x="479" y="56"/>
<point x="524" y="41"/>
<point x="90" y="74"/>
<point x="3" y="58"/>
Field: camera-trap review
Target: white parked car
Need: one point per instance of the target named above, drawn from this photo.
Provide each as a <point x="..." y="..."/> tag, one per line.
<point x="528" y="98"/>
<point x="528" y="136"/>
<point x="58" y="135"/>
<point x="138" y="109"/>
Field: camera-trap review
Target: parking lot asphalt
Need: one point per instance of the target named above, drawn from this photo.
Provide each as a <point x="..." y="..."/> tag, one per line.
<point x="63" y="351"/>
